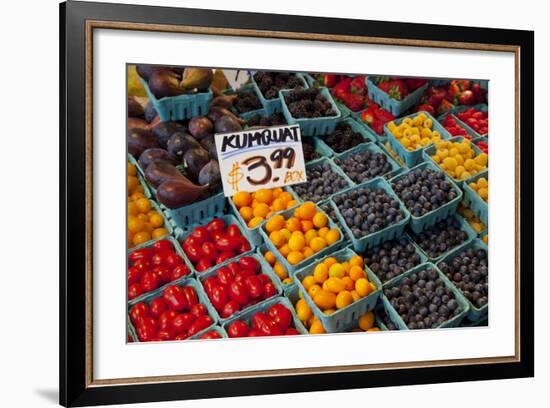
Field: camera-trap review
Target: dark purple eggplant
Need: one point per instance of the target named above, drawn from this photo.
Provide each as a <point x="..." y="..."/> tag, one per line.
<point x="140" y="140"/>
<point x="164" y="130"/>
<point x="176" y="193"/>
<point x="216" y="112"/>
<point x="210" y="175"/>
<point x="163" y="83"/>
<point x="227" y="124"/>
<point x="210" y="145"/>
<point x="200" y="127"/>
<point x="156" y="154"/>
<point x="180" y="143"/>
<point x="159" y="171"/>
<point x="135" y="110"/>
<point x="224" y="101"/>
<point x="195" y="160"/>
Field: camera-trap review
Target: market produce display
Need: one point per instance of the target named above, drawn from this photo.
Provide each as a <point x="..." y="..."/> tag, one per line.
<point x="388" y="232"/>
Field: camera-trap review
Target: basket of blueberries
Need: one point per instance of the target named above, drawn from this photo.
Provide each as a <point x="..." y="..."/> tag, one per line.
<point x="424" y="298"/>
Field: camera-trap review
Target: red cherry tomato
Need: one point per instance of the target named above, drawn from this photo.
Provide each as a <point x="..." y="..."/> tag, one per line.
<point x="291" y="331"/>
<point x="179" y="272"/>
<point x="191" y="296"/>
<point x="216" y="225"/>
<point x="172" y="260"/>
<point x="165" y="334"/>
<point x="238" y="329"/>
<point x="204" y="264"/>
<point x="264" y="278"/>
<point x="219" y="297"/>
<point x="143" y="253"/>
<point x="244" y="246"/>
<point x="163" y="245"/>
<point x="209" y="250"/>
<point x="281" y="315"/>
<point x="269" y="327"/>
<point x="227" y="243"/>
<point x="258" y="319"/>
<point x="193" y="252"/>
<point x="175" y="298"/>
<point x="233" y="268"/>
<point x="255" y="333"/>
<point x="200" y="234"/>
<point x="249" y="262"/>
<point x="190" y="240"/>
<point x="182" y="322"/>
<point x="134" y="290"/>
<point x="225" y="275"/>
<point x="243" y="274"/>
<point x="150" y="281"/>
<point x="163" y="274"/>
<point x="238" y="293"/>
<point x="229" y="309"/>
<point x="146" y="329"/>
<point x="200" y="324"/>
<point x="142" y="264"/>
<point x="254" y="286"/>
<point x="198" y="310"/>
<point x="157" y="307"/>
<point x="181" y="336"/>
<point x="134" y="275"/>
<point x="225" y="256"/>
<point x="212" y="334"/>
<point x="210" y="283"/>
<point x="233" y="231"/>
<point x="138" y="311"/>
<point x="165" y="319"/>
<point x="269" y="290"/>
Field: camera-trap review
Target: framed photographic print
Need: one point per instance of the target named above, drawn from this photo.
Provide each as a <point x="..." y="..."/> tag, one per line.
<point x="256" y="204"/>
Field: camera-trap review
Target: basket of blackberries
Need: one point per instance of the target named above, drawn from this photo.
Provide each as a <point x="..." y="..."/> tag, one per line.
<point x="424" y="298"/>
<point x="347" y="135"/>
<point x="312" y="108"/>
<point x="245" y="100"/>
<point x="365" y="162"/>
<point x="467" y="267"/>
<point x="314" y="149"/>
<point x="370" y="213"/>
<point x="444" y="236"/>
<point x="270" y="83"/>
<point x="428" y="193"/>
<point x="260" y="119"/>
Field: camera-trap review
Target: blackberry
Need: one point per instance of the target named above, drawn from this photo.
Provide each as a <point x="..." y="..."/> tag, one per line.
<point x="343" y="138"/>
<point x="247" y="101"/>
<point x="276" y="119"/>
<point x="270" y="83"/>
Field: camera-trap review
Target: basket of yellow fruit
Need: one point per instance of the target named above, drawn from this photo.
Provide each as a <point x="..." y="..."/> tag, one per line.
<point x="410" y="135"/>
<point x="475" y="222"/>
<point x="145" y="218"/>
<point x="476" y="195"/>
<point x="458" y="157"/>
<point x="298" y="236"/>
<point x="252" y="209"/>
<point x="339" y="289"/>
<point x="368" y="322"/>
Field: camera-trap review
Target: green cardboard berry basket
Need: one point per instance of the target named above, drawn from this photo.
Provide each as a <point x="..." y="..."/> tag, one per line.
<point x="479" y="206"/>
<point x="430" y="151"/>
<point x="376" y="238"/>
<point x="464" y="226"/>
<point x="179" y="107"/>
<point x="264" y="268"/>
<point x="228" y="219"/>
<point x="312" y="126"/>
<point x="394" y="106"/>
<point x="418" y="224"/>
<point x="461" y="300"/>
<point x="320" y="162"/>
<point x="274" y="105"/>
<point x="372" y="147"/>
<point x="218" y="329"/>
<point x="254" y="233"/>
<point x="475" y="314"/>
<point x="291" y="269"/>
<point x="320" y="148"/>
<point x="347" y="317"/>
<point x="414" y="157"/>
<point x="189" y="214"/>
<point x="203" y="299"/>
<point x="246" y="316"/>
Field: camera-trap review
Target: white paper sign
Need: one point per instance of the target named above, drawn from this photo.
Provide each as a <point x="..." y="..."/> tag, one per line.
<point x="260" y="158"/>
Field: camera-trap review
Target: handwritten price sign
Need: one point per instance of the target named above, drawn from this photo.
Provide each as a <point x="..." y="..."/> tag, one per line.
<point x="260" y="158"/>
